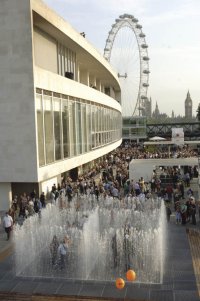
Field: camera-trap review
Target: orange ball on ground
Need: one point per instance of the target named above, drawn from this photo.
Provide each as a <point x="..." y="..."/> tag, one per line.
<point x="130" y="275"/>
<point x="120" y="283"/>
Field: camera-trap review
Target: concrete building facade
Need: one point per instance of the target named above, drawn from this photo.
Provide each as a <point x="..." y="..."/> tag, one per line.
<point x="59" y="99"/>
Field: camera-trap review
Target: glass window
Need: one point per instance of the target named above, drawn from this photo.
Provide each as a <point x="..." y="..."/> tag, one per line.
<point x="65" y="121"/>
<point x="57" y="128"/>
<point x="48" y="124"/>
<point x="89" y="128"/>
<point x="126" y="132"/>
<point x="93" y="126"/>
<point x="74" y="127"/>
<point x="133" y="121"/>
<point x="40" y="131"/>
<point x="71" y="129"/>
<point x="126" y="120"/>
<point x="78" y="128"/>
<point x="84" y="127"/>
<point x="134" y="131"/>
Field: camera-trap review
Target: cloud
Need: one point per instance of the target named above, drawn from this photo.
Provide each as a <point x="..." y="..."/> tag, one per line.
<point x="97" y="10"/>
<point x="186" y="50"/>
<point x="185" y="11"/>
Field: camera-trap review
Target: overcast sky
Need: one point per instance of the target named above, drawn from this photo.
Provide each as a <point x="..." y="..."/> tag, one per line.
<point x="172" y="31"/>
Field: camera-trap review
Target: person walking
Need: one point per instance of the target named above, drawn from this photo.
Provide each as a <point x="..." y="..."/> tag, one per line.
<point x="8" y="224"/>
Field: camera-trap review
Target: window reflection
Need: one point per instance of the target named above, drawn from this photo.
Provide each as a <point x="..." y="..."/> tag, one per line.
<point x="48" y="128"/>
<point x="57" y="128"/>
<point x="67" y="126"/>
<point x="40" y="130"/>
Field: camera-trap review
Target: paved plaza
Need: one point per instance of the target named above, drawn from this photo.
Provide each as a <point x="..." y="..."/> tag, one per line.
<point x="179" y="282"/>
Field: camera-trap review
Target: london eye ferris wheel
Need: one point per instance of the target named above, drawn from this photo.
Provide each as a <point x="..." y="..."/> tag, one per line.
<point x="126" y="50"/>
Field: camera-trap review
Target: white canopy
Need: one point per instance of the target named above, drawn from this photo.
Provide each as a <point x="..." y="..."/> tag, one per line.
<point x="157" y="138"/>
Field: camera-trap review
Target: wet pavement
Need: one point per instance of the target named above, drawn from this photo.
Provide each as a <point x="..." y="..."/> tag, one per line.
<point x="179" y="283"/>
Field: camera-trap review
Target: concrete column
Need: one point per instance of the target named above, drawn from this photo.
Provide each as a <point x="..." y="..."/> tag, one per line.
<point x="78" y="73"/>
<point x="5" y="196"/>
<point x="93" y="81"/>
<point x="98" y="85"/>
<point x="84" y="77"/>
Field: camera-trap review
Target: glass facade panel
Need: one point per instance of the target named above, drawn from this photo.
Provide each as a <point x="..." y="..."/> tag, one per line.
<point x="67" y="126"/>
<point x="93" y="127"/>
<point x="57" y="128"/>
<point x="40" y="130"/>
<point x="126" y="132"/>
<point x="89" y="128"/>
<point x="78" y="128"/>
<point x="71" y="131"/>
<point x="84" y="127"/>
<point x="74" y="127"/>
<point x="48" y="125"/>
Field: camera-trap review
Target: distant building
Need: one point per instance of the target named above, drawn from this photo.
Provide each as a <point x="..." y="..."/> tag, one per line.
<point x="157" y="115"/>
<point x="156" y="112"/>
<point x="188" y="106"/>
<point x="148" y="108"/>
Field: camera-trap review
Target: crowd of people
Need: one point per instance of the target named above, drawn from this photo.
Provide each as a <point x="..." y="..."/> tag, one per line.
<point x="111" y="179"/>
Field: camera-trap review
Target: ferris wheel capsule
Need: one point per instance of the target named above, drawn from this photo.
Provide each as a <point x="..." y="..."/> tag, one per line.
<point x="144" y="97"/>
<point x="144" y="46"/>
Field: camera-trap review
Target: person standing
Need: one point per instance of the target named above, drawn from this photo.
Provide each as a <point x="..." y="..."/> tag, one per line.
<point x="183" y="213"/>
<point x="178" y="212"/>
<point x="54" y="250"/>
<point x="69" y="193"/>
<point x="43" y="200"/>
<point x="8" y="224"/>
<point x="96" y="192"/>
<point x="168" y="212"/>
<point x="62" y="251"/>
<point x="193" y="210"/>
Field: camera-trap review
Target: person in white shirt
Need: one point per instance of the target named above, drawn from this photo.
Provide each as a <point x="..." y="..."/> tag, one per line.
<point x="8" y="224"/>
<point x="62" y="251"/>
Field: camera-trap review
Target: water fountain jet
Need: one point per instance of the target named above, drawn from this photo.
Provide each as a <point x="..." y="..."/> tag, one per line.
<point x="108" y="238"/>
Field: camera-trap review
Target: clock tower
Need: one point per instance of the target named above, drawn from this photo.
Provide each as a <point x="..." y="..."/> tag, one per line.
<point x="188" y="106"/>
